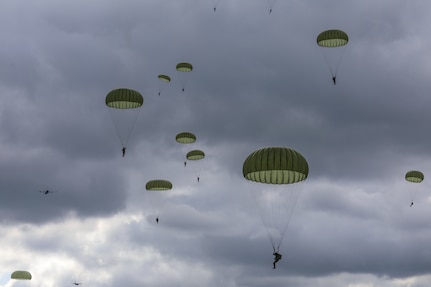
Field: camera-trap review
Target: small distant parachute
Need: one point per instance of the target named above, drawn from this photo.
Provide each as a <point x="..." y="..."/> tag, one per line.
<point x="164" y="78"/>
<point x="47" y="191"/>
<point x="332" y="39"/>
<point x="275" y="174"/>
<point x="163" y="81"/>
<point x="122" y="104"/>
<point x="185" y="138"/>
<point x="21" y="275"/>
<point x="184" y="68"/>
<point x="215" y="3"/>
<point x="195" y="155"/>
<point x="413" y="176"/>
<point x="271" y="4"/>
<point x="157" y="187"/>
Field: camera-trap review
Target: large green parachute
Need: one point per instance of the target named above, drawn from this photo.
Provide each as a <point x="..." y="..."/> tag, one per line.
<point x="332" y="39"/>
<point x="274" y="174"/>
<point x="124" y="109"/>
<point x="124" y="99"/>
<point x="21" y="275"/>
<point x="275" y="165"/>
<point x="414" y="176"/>
<point x="184" y="67"/>
<point x="185" y="138"/>
<point x="158" y="184"/>
<point x="195" y="155"/>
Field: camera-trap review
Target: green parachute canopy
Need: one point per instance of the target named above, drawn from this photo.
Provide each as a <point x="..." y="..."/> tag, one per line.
<point x="275" y="165"/>
<point x="414" y="176"/>
<point x="332" y="38"/>
<point x="195" y="155"/>
<point x="158" y="184"/>
<point x="184" y="67"/>
<point x="164" y="78"/>
<point x="124" y="99"/>
<point x="21" y="275"/>
<point x="185" y="138"/>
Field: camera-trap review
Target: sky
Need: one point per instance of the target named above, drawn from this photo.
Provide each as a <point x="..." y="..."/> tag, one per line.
<point x="259" y="80"/>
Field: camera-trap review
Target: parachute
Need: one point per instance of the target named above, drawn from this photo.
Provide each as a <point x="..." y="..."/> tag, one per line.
<point x="184" y="68"/>
<point x="124" y="99"/>
<point x="121" y="103"/>
<point x="332" y="39"/>
<point x="215" y="3"/>
<point x="275" y="174"/>
<point x="185" y="138"/>
<point x="156" y="188"/>
<point x="271" y="4"/>
<point x="158" y="184"/>
<point x="21" y="275"/>
<point x="414" y="176"/>
<point x="164" y="80"/>
<point x="195" y="155"/>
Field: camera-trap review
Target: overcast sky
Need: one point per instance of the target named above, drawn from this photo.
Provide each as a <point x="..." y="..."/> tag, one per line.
<point x="258" y="80"/>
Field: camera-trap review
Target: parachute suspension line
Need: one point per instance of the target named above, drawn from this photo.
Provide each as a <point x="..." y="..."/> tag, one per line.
<point x="412" y="194"/>
<point x="117" y="129"/>
<point x="333" y="68"/>
<point x="277" y="208"/>
<point x="262" y="215"/>
<point x="132" y="127"/>
<point x="333" y="74"/>
<point x="337" y="65"/>
<point x="195" y="170"/>
<point x="156" y="202"/>
<point x="290" y="204"/>
<point x="282" y="210"/>
<point x="124" y="140"/>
